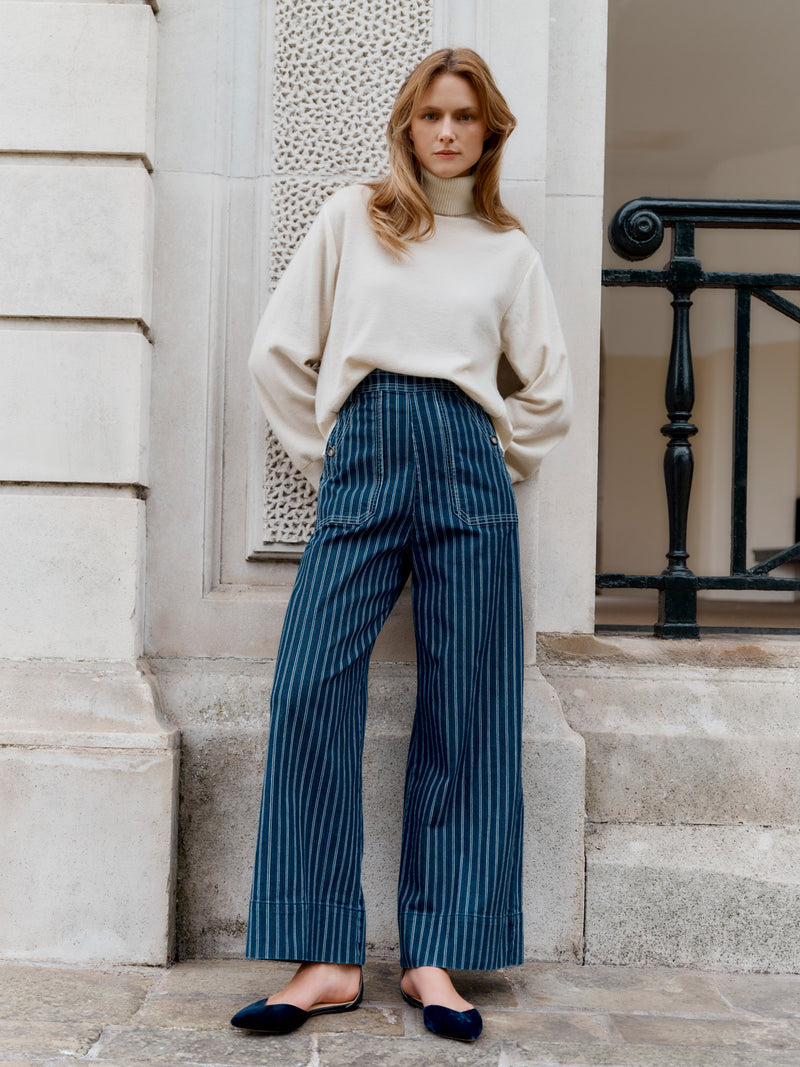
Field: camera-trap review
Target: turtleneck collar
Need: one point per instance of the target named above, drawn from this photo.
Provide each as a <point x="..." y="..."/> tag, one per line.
<point x="449" y="196"/>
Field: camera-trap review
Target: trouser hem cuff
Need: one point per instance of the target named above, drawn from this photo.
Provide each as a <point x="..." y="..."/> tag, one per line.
<point x="461" y="942"/>
<point x="321" y="933"/>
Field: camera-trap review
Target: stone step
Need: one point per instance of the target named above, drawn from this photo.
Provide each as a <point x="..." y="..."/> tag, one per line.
<point x="718" y="898"/>
<point x="678" y="743"/>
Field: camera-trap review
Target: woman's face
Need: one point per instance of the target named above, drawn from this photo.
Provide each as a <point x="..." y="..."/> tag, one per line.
<point x="447" y="128"/>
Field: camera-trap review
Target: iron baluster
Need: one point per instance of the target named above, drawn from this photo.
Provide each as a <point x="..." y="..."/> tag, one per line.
<point x="677" y="601"/>
<point x="741" y="407"/>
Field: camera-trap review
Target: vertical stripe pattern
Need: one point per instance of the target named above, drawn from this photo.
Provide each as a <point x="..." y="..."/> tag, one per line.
<point x="414" y="483"/>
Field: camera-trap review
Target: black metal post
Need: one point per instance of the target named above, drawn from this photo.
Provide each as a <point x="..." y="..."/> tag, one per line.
<point x="741" y="408"/>
<point x="677" y="600"/>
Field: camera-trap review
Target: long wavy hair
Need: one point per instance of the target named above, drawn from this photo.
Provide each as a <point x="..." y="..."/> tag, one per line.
<point x="398" y="208"/>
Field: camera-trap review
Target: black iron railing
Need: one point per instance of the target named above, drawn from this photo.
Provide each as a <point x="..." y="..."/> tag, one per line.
<point x="636" y="232"/>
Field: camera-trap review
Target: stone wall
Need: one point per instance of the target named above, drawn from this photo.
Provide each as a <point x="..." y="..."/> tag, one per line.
<point x="87" y="770"/>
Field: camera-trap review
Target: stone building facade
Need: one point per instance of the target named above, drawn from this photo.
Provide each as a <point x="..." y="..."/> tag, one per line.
<point x="159" y="164"/>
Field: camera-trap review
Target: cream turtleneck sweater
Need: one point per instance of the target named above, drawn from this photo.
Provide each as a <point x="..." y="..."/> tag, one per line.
<point x="449" y="309"/>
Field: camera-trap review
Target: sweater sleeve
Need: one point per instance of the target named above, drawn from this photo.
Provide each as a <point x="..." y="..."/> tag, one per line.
<point x="290" y="338"/>
<point x="540" y="411"/>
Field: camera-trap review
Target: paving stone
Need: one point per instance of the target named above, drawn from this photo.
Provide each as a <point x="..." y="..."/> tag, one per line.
<point x="622" y="989"/>
<point x="30" y="991"/>
<point x="356" y="1050"/>
<point x="37" y="1038"/>
<point x="235" y="1048"/>
<point x="711" y="1033"/>
<point x="200" y="1012"/>
<point x="248" y="979"/>
<point x="486" y="988"/>
<point x="382" y="981"/>
<point x="772" y="995"/>
<point x="214" y="1013"/>
<point x="568" y="1055"/>
<point x="379" y="1021"/>
<point x="548" y="1026"/>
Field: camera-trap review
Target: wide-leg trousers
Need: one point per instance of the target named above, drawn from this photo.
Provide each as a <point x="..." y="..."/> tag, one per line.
<point x="415" y="483"/>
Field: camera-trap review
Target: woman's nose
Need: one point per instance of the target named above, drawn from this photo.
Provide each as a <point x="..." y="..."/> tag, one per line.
<point x="446" y="133"/>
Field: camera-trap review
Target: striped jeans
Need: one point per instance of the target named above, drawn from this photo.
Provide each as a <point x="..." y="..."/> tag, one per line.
<point x="414" y="483"/>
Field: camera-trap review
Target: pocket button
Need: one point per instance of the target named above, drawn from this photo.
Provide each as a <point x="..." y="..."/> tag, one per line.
<point x="331" y="451"/>
<point x="493" y="439"/>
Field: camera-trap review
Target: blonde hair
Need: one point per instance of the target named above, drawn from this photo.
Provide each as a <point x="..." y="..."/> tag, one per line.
<point x="398" y="208"/>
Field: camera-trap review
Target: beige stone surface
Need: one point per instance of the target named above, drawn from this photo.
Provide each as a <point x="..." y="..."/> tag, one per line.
<point x="42" y="1038"/>
<point x="567" y="491"/>
<point x="699" y="1033"/>
<point x="57" y="704"/>
<point x="576" y="98"/>
<point x="47" y="994"/>
<point x="85" y="85"/>
<point x="97" y="886"/>
<point x="519" y="63"/>
<point x="76" y="406"/>
<point x="620" y="989"/>
<point x="703" y="745"/>
<point x="80" y="239"/>
<point x="726" y="898"/>
<point x="88" y="778"/>
<point x="771" y="996"/>
<point x="71" y="575"/>
<point x="672" y="1019"/>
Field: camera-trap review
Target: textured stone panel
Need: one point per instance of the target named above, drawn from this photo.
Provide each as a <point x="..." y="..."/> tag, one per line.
<point x="70" y="576"/>
<point x="76" y="406"/>
<point x="338" y="67"/>
<point x="77" y="241"/>
<point x="77" y="78"/>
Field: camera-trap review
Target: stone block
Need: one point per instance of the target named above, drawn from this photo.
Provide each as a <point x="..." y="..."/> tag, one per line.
<point x="76" y="406"/>
<point x="519" y="63"/>
<point x="46" y="994"/>
<point x="71" y="575"/>
<point x="135" y="1046"/>
<point x="553" y="761"/>
<point x="567" y="496"/>
<point x="221" y="709"/>
<point x="77" y="241"/>
<point x="77" y="78"/>
<point x="87" y="788"/>
<point x="662" y="990"/>
<point x="192" y="54"/>
<point x="576" y="98"/>
<point x="699" y="745"/>
<point x="718" y="898"/>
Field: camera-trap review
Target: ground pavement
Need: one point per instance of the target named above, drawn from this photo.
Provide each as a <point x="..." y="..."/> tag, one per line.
<point x="539" y="1015"/>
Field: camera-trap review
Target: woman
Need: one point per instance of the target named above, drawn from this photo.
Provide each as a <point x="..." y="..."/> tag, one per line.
<point x="385" y="337"/>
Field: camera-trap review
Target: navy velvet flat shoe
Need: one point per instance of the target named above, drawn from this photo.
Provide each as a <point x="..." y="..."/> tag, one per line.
<point x="284" y="1018"/>
<point x="445" y="1022"/>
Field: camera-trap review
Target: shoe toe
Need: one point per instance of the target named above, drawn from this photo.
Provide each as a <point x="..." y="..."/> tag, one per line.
<point x="459" y="1025"/>
<point x="270" y="1018"/>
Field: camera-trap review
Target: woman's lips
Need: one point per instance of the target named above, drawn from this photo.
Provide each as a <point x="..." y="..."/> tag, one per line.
<point x="447" y="155"/>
